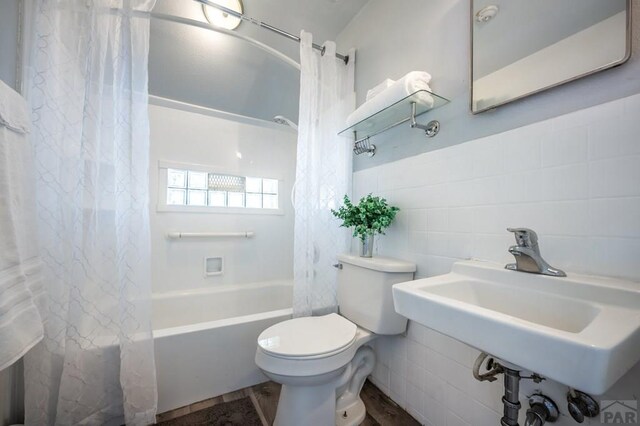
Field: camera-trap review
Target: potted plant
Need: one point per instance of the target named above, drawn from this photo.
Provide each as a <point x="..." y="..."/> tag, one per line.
<point x="371" y="216"/>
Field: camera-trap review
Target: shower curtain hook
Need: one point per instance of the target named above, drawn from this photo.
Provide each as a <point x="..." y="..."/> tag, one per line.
<point x="324" y="48"/>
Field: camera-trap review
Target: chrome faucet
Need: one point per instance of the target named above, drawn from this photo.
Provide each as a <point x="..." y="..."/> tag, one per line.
<point x="527" y="254"/>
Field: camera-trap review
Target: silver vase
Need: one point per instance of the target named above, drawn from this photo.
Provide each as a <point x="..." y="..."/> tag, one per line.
<point x="366" y="246"/>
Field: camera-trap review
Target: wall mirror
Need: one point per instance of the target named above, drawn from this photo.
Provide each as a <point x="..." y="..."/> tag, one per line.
<point x="521" y="47"/>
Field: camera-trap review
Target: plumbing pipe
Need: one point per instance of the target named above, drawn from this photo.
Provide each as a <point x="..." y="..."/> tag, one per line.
<point x="511" y="400"/>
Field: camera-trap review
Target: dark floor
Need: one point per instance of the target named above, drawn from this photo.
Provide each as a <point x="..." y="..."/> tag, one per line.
<point x="257" y="405"/>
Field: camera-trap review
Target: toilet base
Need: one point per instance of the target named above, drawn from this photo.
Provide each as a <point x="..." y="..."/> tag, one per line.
<point x="352" y="415"/>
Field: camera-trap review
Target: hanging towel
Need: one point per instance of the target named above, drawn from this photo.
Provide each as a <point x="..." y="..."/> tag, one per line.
<point x="372" y="93"/>
<point x="410" y="83"/>
<point x="21" y="291"/>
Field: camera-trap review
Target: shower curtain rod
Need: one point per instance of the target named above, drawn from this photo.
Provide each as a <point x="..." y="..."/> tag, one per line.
<point x="261" y="24"/>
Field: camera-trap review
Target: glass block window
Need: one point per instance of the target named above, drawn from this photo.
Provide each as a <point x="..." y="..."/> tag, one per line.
<point x="194" y="188"/>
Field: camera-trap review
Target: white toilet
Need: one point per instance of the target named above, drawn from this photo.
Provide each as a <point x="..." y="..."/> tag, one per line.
<point x="322" y="362"/>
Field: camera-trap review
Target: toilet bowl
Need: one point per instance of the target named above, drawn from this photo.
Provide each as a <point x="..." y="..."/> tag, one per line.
<point x="322" y="362"/>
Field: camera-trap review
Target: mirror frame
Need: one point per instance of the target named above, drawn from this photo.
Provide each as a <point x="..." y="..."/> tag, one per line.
<point x="593" y="71"/>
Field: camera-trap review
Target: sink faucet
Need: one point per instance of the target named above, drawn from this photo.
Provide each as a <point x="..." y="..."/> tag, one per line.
<point x="527" y="254"/>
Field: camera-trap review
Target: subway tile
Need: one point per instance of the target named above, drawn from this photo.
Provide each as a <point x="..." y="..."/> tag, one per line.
<point x="615" y="257"/>
<point x="522" y="151"/>
<point x="437" y="243"/>
<point x="434" y="386"/>
<point x="460" y="194"/>
<point x="417" y="377"/>
<point x="488" y="158"/>
<point x="418" y="242"/>
<point x="551" y="218"/>
<point x="570" y="254"/>
<point x="438" y="265"/>
<point x="603" y="138"/>
<point x="616" y="177"/>
<point x="523" y="187"/>
<point x="461" y="219"/>
<point x="416" y="332"/>
<point x="484" y="416"/>
<point x="417" y="220"/>
<point x="432" y="196"/>
<point x="437" y="220"/>
<point x="629" y="140"/>
<point x="460" y="245"/>
<point x="566" y="146"/>
<point x="398" y="388"/>
<point x="460" y="160"/>
<point x="585" y="213"/>
<point x="415" y="399"/>
<point x="416" y="355"/>
<point x="490" y="190"/>
<point x="493" y="247"/>
<point x="614" y="217"/>
<point x="453" y="420"/>
<point x="489" y="220"/>
<point x="434" y="411"/>
<point x="565" y="182"/>
<point x="458" y="403"/>
<point x="435" y="363"/>
<point x="381" y="373"/>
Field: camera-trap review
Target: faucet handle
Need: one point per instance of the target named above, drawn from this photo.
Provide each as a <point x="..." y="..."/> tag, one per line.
<point x="525" y="237"/>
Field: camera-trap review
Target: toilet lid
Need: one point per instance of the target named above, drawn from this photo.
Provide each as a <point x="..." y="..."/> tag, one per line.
<point x="307" y="337"/>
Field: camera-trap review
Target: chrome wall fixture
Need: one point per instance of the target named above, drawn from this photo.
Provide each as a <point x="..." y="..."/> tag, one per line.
<point x="431" y="129"/>
<point x="175" y="235"/>
<point x="261" y="24"/>
<point x="364" y="146"/>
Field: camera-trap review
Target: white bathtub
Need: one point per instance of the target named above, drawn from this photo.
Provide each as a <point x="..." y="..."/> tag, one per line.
<point x="205" y="340"/>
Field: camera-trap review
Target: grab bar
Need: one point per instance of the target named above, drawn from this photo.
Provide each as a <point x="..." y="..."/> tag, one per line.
<point x="179" y="235"/>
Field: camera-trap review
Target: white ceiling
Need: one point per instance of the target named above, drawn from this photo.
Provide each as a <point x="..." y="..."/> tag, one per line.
<point x="214" y="70"/>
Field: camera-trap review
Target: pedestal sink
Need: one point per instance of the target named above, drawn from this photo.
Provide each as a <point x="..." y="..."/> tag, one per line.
<point x="582" y="331"/>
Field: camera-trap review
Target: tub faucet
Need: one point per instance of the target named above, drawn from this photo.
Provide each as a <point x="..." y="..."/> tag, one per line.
<point x="527" y="254"/>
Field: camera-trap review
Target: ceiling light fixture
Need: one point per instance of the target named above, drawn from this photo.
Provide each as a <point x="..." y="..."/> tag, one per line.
<point x="222" y="19"/>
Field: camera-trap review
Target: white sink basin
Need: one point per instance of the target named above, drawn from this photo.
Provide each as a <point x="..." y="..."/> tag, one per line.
<point x="582" y="331"/>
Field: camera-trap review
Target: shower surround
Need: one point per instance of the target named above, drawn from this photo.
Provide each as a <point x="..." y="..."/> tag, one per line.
<point x="206" y="327"/>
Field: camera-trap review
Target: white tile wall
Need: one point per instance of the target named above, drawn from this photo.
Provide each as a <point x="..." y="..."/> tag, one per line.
<point x="575" y="179"/>
<point x="195" y="135"/>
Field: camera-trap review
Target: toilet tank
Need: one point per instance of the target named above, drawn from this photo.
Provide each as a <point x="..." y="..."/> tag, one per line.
<point x="364" y="291"/>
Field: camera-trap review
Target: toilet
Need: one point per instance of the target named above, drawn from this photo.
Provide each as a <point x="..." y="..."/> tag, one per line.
<point x="322" y="362"/>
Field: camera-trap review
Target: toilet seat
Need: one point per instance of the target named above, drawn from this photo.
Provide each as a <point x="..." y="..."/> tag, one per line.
<point x="310" y="346"/>
<point x="308" y="337"/>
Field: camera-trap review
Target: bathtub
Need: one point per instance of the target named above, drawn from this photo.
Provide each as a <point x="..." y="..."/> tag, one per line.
<point x="205" y="340"/>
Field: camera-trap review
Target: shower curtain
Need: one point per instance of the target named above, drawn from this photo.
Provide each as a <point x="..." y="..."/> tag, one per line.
<point x="323" y="175"/>
<point x="87" y="88"/>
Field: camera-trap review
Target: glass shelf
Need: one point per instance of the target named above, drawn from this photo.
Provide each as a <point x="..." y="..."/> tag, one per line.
<point x="395" y="114"/>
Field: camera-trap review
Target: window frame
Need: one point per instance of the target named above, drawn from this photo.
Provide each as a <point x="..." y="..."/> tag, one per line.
<point x="162" y="205"/>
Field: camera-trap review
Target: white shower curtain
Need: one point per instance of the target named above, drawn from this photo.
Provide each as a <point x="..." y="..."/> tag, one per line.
<point x="87" y="88"/>
<point x="323" y="175"/>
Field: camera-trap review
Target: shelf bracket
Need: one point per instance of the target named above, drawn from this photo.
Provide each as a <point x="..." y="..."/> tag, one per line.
<point x="431" y="129"/>
<point x="363" y="146"/>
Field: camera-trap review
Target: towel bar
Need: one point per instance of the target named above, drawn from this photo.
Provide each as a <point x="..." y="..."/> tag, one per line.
<point x="180" y="235"/>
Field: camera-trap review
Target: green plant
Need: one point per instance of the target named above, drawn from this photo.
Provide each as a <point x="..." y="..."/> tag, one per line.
<point x="372" y="215"/>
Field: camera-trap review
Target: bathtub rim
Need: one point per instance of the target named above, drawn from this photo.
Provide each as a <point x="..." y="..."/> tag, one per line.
<point x="207" y="325"/>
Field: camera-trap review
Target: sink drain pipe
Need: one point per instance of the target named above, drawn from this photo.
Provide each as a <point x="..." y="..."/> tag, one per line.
<point x="510" y="400"/>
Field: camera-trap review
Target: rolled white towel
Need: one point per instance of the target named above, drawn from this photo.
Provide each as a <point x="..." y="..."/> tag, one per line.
<point x="372" y="93"/>
<point x="410" y="83"/>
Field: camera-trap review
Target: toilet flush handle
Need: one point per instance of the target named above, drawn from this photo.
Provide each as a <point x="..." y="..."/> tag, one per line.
<point x="338" y="265"/>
